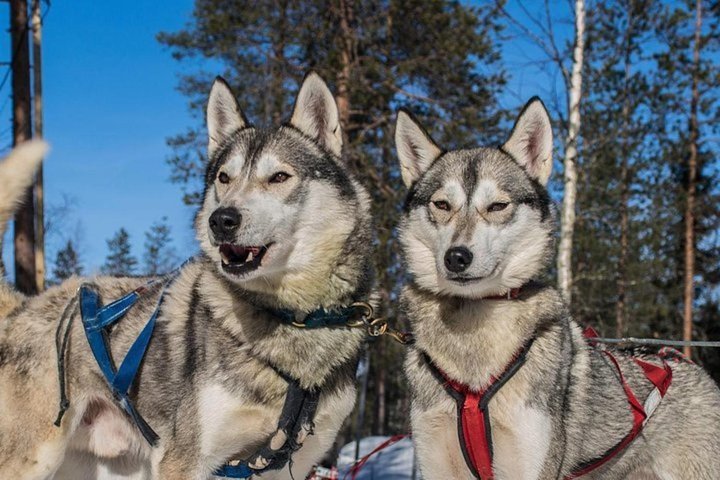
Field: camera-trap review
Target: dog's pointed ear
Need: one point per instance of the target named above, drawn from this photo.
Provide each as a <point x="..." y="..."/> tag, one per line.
<point x="416" y="150"/>
<point x="224" y="116"/>
<point x="316" y="113"/>
<point x="531" y="141"/>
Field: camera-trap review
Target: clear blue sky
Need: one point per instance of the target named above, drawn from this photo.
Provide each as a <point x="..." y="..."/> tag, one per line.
<point x="110" y="103"/>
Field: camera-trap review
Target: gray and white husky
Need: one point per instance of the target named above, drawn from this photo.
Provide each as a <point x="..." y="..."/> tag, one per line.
<point x="478" y="225"/>
<point x="283" y="225"/>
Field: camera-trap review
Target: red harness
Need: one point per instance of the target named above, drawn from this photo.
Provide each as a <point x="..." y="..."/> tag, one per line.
<point x="474" y="418"/>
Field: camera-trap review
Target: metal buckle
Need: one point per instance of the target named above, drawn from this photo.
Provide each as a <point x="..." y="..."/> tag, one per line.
<point x="377" y="327"/>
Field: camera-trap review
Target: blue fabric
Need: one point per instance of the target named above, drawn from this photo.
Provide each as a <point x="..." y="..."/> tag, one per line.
<point x="235" y="471"/>
<point x="95" y="322"/>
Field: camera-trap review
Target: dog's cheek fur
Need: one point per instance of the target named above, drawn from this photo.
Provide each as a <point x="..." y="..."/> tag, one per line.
<point x="531" y="250"/>
<point x="418" y="238"/>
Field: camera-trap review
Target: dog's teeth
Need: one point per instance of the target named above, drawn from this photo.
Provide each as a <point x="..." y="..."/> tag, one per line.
<point x="250" y="256"/>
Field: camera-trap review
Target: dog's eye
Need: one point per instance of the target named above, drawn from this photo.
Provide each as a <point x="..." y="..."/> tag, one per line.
<point x="223" y="178"/>
<point x="442" y="205"/>
<point x="497" y="206"/>
<point x="279" y="177"/>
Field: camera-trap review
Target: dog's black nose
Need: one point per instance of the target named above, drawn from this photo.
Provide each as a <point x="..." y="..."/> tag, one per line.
<point x="224" y="222"/>
<point x="458" y="259"/>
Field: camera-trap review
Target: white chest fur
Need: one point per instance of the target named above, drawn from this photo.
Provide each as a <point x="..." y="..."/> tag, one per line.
<point x="521" y="438"/>
<point x="233" y="427"/>
<point x="230" y="423"/>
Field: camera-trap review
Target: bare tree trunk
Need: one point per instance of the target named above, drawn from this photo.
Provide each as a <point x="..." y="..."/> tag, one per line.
<point x="39" y="189"/>
<point x="621" y="282"/>
<point x="379" y="419"/>
<point x="277" y="65"/>
<point x="347" y="53"/>
<point x="689" y="290"/>
<point x="567" y="219"/>
<point x="22" y="132"/>
<point x="621" y="279"/>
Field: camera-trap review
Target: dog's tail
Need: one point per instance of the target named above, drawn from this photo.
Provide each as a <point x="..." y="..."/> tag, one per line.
<point x="17" y="172"/>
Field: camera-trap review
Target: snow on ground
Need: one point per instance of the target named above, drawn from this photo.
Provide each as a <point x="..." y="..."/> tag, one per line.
<point x="392" y="463"/>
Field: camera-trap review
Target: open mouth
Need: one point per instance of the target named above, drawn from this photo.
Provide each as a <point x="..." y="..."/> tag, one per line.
<point x="239" y="260"/>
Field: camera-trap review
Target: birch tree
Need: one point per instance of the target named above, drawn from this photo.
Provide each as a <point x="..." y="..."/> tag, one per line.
<point x="539" y="28"/>
<point x="567" y="216"/>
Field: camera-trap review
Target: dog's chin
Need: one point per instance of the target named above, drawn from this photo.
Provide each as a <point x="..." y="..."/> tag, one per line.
<point x="242" y="263"/>
<point x="469" y="286"/>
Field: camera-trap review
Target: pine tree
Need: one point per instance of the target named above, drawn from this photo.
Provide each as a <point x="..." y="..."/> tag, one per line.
<point x="159" y="257"/>
<point x="67" y="263"/>
<point x="688" y="66"/>
<point x="119" y="260"/>
<point x="619" y="141"/>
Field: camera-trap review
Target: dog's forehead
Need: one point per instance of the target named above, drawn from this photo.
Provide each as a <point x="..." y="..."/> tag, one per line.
<point x="258" y="153"/>
<point x="489" y="169"/>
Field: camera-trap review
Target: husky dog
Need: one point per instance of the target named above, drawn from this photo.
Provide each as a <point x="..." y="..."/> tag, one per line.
<point x="283" y="225"/>
<point x="477" y="232"/>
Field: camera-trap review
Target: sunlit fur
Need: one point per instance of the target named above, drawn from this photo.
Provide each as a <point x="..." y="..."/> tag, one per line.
<point x="509" y="247"/>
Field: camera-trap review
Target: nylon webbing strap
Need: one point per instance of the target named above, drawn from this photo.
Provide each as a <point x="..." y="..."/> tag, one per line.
<point x="661" y="379"/>
<point x="96" y="321"/>
<point x="473" y="416"/>
<point x="298" y="412"/>
<point x="320" y="318"/>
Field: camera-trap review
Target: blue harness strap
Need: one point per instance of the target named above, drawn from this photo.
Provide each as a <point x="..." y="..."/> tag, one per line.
<point x="96" y="321"/>
<point x="241" y="470"/>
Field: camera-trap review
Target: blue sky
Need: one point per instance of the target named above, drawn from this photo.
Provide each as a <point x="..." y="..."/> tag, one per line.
<point x="110" y="103"/>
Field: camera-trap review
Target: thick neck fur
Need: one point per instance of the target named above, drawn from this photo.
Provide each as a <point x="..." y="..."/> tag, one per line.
<point x="338" y="283"/>
<point x="474" y="340"/>
<point x="268" y="340"/>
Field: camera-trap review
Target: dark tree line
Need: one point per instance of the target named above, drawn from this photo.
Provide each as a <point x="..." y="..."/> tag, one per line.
<point x="159" y="255"/>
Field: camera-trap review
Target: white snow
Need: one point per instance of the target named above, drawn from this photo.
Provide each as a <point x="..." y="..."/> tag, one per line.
<point x="392" y="463"/>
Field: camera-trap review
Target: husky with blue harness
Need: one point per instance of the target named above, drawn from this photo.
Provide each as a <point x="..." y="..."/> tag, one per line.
<point x="241" y="363"/>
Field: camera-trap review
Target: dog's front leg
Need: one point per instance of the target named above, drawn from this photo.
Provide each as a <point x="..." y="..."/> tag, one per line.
<point x="180" y="466"/>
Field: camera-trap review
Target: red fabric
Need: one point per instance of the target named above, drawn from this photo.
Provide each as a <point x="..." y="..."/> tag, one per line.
<point x="590" y="333"/>
<point x="476" y="436"/>
<point x="661" y="378"/>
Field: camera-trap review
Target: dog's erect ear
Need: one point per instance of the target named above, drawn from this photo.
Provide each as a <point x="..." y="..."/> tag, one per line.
<point x="531" y="141"/>
<point x="416" y="150"/>
<point x="224" y="116"/>
<point x="316" y="113"/>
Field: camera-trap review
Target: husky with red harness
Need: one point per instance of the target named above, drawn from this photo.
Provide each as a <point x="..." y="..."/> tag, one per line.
<point x="504" y="383"/>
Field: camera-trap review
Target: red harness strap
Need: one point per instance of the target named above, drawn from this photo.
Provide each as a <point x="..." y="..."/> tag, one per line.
<point x="473" y="416"/>
<point x="659" y="376"/>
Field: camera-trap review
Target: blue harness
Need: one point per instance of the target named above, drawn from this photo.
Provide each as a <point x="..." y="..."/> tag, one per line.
<point x="96" y="321"/>
<point x="300" y="405"/>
